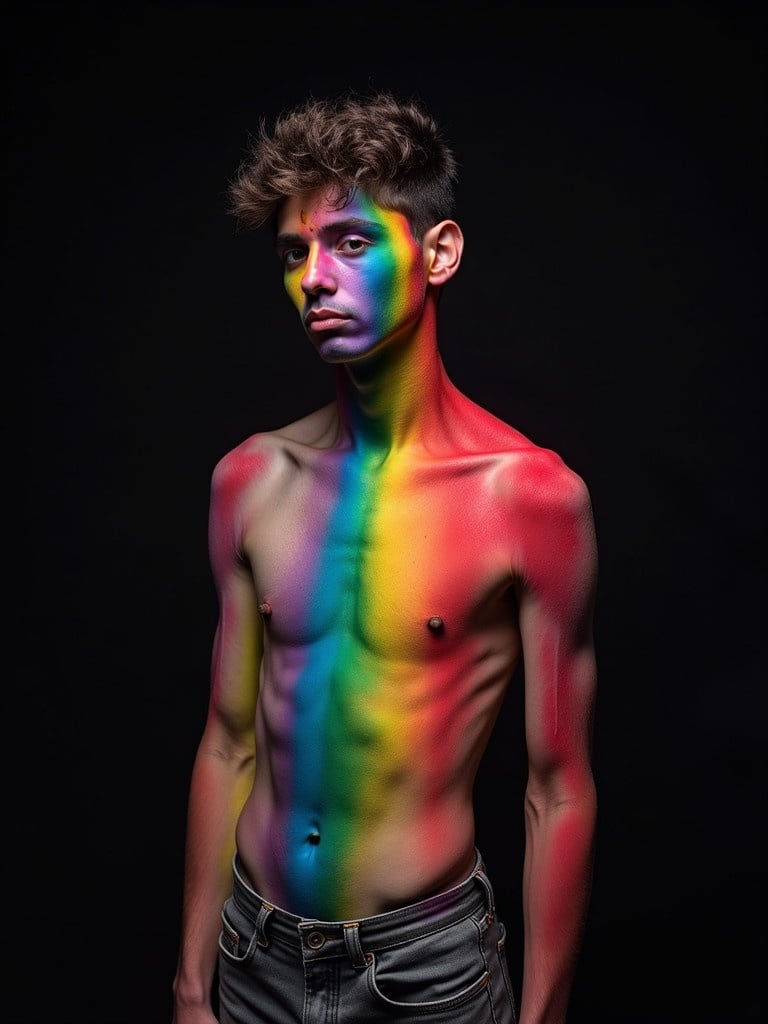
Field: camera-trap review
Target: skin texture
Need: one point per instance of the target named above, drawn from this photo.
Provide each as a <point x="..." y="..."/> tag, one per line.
<point x="381" y="566"/>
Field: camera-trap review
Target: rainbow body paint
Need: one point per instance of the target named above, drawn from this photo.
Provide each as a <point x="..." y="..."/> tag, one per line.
<point x="386" y="534"/>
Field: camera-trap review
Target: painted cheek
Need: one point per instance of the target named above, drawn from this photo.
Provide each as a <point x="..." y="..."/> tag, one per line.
<point x="292" y="284"/>
<point x="390" y="281"/>
<point x="378" y="286"/>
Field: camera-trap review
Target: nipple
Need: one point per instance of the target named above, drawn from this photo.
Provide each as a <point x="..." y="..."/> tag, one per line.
<point x="265" y="609"/>
<point x="435" y="624"/>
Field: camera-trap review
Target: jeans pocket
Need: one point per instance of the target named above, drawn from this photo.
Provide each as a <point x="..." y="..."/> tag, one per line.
<point x="237" y="938"/>
<point x="434" y="972"/>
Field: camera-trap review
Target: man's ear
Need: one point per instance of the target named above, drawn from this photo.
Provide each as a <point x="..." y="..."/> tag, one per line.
<point x="443" y="245"/>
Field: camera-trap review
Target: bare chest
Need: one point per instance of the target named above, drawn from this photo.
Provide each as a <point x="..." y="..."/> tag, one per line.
<point x="396" y="561"/>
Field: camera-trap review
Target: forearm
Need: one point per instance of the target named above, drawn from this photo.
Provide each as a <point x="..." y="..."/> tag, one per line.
<point x="219" y="787"/>
<point x="557" y="880"/>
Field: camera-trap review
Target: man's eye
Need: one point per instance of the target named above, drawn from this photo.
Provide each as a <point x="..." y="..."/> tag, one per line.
<point x="292" y="257"/>
<point x="353" y="246"/>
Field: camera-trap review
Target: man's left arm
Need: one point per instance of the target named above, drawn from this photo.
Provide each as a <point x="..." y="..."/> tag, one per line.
<point x="556" y="599"/>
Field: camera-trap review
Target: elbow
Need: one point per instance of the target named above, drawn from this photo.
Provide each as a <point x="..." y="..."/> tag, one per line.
<point x="239" y="756"/>
<point x="561" y="790"/>
<point x="235" y="749"/>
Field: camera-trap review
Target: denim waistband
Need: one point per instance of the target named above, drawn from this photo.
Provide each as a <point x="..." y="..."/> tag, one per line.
<point x="366" y="934"/>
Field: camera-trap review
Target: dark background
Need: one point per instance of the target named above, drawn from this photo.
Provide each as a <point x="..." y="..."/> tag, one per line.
<point x="610" y="305"/>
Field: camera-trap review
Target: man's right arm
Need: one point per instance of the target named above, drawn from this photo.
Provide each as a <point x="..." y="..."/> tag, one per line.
<point x="222" y="773"/>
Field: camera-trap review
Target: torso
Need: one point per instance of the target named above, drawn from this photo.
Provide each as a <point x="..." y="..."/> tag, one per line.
<point x="391" y="639"/>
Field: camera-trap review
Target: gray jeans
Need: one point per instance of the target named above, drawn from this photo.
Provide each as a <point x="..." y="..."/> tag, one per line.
<point x="440" y="961"/>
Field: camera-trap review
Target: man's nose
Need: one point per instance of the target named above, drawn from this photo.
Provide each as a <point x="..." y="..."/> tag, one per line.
<point x="318" y="272"/>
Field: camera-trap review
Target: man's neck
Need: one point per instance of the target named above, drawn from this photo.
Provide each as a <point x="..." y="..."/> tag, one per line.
<point x="392" y="399"/>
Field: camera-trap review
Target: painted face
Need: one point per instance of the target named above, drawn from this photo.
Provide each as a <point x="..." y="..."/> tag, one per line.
<point x="356" y="275"/>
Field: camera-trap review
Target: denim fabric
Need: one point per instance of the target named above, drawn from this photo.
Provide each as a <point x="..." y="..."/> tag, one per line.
<point x="440" y="961"/>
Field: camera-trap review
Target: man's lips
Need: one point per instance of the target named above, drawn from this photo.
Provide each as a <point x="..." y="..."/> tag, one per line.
<point x="324" y="319"/>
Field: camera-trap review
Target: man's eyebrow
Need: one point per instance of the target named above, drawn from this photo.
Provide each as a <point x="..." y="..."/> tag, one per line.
<point x="334" y="227"/>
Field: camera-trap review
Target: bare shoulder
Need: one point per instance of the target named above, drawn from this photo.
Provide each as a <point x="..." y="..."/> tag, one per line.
<point x="549" y="510"/>
<point x="538" y="481"/>
<point x="248" y="463"/>
<point x="260" y="458"/>
<point x="529" y="476"/>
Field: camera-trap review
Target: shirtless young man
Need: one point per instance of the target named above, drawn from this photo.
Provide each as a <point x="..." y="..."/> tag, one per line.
<point x="381" y="566"/>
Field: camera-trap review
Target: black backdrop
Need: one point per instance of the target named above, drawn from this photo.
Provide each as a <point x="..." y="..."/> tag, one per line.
<point x="610" y="305"/>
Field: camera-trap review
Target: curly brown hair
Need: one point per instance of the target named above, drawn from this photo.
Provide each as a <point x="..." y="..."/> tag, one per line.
<point x="392" y="149"/>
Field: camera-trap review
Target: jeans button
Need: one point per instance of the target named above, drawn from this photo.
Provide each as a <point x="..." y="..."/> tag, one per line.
<point x="315" y="940"/>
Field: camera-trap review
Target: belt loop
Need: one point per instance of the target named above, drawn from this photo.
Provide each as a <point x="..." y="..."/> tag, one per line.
<point x="482" y="878"/>
<point x="261" y="920"/>
<point x="352" y="942"/>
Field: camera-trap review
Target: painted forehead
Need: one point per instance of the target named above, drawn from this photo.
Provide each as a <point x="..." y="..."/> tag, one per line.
<point x="316" y="210"/>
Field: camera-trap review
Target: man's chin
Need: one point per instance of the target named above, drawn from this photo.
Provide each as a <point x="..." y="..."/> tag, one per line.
<point x="341" y="350"/>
